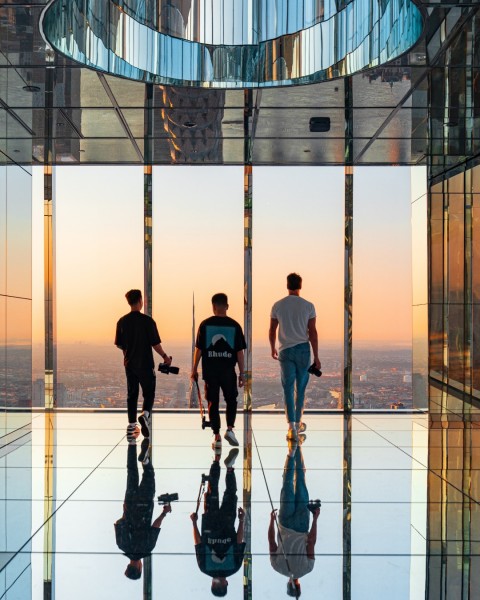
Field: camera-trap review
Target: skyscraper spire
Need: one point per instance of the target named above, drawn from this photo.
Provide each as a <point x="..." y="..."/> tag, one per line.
<point x="192" y="393"/>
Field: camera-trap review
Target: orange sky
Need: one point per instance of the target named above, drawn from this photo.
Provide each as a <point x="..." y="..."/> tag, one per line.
<point x="198" y="247"/>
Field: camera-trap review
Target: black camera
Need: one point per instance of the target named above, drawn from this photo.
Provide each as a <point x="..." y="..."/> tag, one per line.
<point x="314" y="505"/>
<point x="167" y="369"/>
<point x="167" y="498"/>
<point x="312" y="369"/>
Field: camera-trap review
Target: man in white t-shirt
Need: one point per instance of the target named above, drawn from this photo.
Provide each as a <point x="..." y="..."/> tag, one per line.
<point x="295" y="320"/>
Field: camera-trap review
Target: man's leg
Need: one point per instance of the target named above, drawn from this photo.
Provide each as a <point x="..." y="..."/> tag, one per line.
<point x="212" y="394"/>
<point x="148" y="382"/>
<point x="132" y="395"/>
<point x="230" y="393"/>
<point x="287" y="371"/>
<point x="302" y="362"/>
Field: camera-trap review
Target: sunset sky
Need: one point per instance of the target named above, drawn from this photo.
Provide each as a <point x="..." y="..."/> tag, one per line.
<point x="198" y="247"/>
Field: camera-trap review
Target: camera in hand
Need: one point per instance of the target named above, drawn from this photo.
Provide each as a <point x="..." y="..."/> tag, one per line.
<point x="314" y="505"/>
<point x="312" y="369"/>
<point x="167" y="369"/>
<point x="167" y="498"/>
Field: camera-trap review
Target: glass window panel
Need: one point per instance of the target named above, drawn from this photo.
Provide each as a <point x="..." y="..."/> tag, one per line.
<point x="19" y="232"/>
<point x="3" y="229"/>
<point x="99" y="254"/>
<point x="300" y="232"/>
<point x="18" y="365"/>
<point x="382" y="288"/>
<point x="197" y="249"/>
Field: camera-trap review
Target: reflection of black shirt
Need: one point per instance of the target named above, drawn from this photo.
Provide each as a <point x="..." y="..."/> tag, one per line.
<point x="136" y="542"/>
<point x="136" y="334"/>
<point x="224" y="566"/>
<point x="219" y="339"/>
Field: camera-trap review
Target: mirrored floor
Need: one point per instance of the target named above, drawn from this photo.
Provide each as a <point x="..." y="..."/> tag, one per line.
<point x="80" y="509"/>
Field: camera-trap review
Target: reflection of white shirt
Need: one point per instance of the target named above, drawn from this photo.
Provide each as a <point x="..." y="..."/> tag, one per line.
<point x="293" y="314"/>
<point x="294" y="550"/>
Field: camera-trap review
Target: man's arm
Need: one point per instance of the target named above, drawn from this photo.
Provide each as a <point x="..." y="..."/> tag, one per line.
<point x="167" y="360"/>
<point x="313" y="339"/>
<point x="312" y="536"/>
<point x="196" y="534"/>
<point x="272" y="544"/>
<point x="241" y="520"/>
<point x="196" y="359"/>
<point x="241" y="368"/>
<point x="272" y="336"/>
<point x="158" y="521"/>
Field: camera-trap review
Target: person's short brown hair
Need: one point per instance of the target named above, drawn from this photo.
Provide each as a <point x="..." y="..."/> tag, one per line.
<point x="220" y="300"/>
<point x="133" y="572"/>
<point x="133" y="297"/>
<point x="294" y="282"/>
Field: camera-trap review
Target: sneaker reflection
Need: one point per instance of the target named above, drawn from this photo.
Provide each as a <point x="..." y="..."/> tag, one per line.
<point x="292" y="552"/>
<point x="135" y="534"/>
<point x="219" y="547"/>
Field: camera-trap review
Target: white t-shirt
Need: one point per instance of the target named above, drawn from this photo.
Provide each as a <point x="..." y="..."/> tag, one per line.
<point x="294" y="548"/>
<point x="292" y="314"/>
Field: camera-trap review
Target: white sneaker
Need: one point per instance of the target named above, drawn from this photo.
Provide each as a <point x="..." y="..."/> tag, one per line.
<point x="230" y="460"/>
<point x="230" y="437"/>
<point x="292" y="435"/>
<point x="144" y="421"/>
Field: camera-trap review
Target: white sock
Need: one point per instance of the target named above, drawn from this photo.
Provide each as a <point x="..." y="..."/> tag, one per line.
<point x="132" y="424"/>
<point x="146" y="413"/>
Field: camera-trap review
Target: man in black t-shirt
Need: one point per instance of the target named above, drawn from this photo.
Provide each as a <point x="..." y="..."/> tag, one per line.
<point x="136" y="335"/>
<point x="220" y="345"/>
<point x="219" y="548"/>
<point x="135" y="534"/>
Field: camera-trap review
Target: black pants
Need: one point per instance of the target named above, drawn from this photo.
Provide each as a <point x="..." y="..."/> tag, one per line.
<point x="227" y="382"/>
<point x="216" y="516"/>
<point x="139" y="496"/>
<point x="147" y="381"/>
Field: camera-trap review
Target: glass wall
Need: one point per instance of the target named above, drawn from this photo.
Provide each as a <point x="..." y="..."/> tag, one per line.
<point x="382" y="289"/>
<point x="99" y="257"/>
<point x="302" y="232"/>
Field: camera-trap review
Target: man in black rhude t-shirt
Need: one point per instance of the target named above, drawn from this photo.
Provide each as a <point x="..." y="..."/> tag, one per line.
<point x="136" y="335"/>
<point x="219" y="548"/>
<point x="220" y="344"/>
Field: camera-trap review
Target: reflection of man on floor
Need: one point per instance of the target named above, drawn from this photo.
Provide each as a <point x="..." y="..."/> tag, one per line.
<point x="293" y="553"/>
<point x="135" y="533"/>
<point x="219" y="548"/>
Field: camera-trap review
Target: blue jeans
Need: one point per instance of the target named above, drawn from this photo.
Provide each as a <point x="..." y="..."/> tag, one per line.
<point x="294" y="363"/>
<point x="294" y="513"/>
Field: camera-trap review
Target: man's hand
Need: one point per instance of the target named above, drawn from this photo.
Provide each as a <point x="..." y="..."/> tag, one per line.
<point x="316" y="514"/>
<point x="194" y="375"/>
<point x="241" y="380"/>
<point x="167" y="508"/>
<point x="241" y="514"/>
<point x="273" y="514"/>
<point x="274" y="353"/>
<point x="194" y="517"/>
<point x="317" y="362"/>
<point x="167" y="360"/>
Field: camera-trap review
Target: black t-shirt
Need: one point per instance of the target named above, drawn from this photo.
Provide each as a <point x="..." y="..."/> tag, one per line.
<point x="136" y="334"/>
<point x="135" y="540"/>
<point x="220" y="566"/>
<point x="219" y="339"/>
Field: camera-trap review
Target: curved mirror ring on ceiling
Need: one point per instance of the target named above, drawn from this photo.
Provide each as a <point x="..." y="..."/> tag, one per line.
<point x="225" y="44"/>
